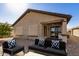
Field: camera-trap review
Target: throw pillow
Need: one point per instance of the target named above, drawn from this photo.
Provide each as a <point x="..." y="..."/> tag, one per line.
<point x="55" y="44"/>
<point x="62" y="45"/>
<point x="41" y="43"/>
<point x="36" y="41"/>
<point x="47" y="43"/>
<point x="11" y="43"/>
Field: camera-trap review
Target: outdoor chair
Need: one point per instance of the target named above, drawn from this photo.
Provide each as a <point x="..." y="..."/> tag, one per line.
<point x="11" y="47"/>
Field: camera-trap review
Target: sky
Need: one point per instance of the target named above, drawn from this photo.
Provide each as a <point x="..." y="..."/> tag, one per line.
<point x="11" y="12"/>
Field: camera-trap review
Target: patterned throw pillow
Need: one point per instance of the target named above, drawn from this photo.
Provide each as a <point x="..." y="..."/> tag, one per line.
<point x="11" y="43"/>
<point x="41" y="43"/>
<point x="55" y="44"/>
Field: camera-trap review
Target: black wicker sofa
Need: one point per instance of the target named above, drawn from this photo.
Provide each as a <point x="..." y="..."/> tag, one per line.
<point x="45" y="46"/>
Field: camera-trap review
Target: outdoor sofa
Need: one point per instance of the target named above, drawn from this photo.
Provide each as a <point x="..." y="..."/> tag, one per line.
<point x="45" y="46"/>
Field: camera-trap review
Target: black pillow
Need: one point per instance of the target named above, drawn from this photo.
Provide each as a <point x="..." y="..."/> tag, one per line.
<point x="62" y="45"/>
<point x="5" y="44"/>
<point x="47" y="43"/>
<point x="36" y="41"/>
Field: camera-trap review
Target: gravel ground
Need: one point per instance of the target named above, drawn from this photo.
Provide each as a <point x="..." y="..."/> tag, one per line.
<point x="73" y="46"/>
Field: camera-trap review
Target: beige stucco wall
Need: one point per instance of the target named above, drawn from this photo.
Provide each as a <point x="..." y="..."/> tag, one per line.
<point x="76" y="32"/>
<point x="30" y="24"/>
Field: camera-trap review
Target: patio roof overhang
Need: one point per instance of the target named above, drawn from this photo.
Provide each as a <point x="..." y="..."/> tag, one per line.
<point x="58" y="21"/>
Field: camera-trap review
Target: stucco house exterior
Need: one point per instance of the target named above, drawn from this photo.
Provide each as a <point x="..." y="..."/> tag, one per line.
<point x="34" y="24"/>
<point x="74" y="31"/>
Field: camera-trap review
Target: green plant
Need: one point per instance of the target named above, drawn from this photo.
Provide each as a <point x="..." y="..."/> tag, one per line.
<point x="5" y="30"/>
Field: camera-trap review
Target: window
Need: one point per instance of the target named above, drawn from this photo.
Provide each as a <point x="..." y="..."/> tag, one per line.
<point x="55" y="29"/>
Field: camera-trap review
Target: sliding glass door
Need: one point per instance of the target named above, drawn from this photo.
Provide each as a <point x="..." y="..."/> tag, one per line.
<point x="54" y="31"/>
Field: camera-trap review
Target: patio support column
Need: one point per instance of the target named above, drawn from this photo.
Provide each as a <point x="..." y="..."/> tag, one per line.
<point x="64" y="27"/>
<point x="72" y="32"/>
<point x="64" y="30"/>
